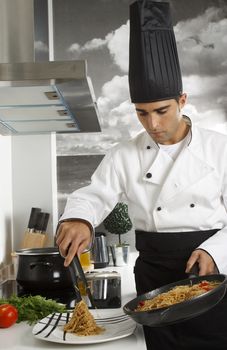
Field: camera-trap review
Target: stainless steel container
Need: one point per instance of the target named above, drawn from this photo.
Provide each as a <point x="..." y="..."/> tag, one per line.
<point x="99" y="251"/>
<point x="105" y="288"/>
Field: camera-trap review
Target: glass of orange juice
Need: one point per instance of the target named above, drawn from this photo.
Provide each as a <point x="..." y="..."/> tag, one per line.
<point x="85" y="260"/>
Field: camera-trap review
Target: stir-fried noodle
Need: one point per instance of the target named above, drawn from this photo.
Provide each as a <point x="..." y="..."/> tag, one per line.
<point x="82" y="322"/>
<point x="176" y="295"/>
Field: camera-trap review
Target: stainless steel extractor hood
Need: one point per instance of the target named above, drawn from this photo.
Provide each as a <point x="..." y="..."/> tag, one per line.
<point x="37" y="93"/>
<point x="39" y="97"/>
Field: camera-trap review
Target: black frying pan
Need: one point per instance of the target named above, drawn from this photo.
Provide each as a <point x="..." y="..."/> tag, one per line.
<point x="181" y="311"/>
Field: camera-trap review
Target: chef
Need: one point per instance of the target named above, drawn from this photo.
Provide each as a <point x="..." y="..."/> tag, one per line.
<point x="174" y="176"/>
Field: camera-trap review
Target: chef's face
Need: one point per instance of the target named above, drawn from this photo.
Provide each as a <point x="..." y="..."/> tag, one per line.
<point x="163" y="120"/>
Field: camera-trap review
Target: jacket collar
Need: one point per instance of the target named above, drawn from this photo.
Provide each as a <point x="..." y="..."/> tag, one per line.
<point x="191" y="160"/>
<point x="194" y="142"/>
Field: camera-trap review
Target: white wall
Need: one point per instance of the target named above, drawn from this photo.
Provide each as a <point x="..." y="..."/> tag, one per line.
<point x="33" y="182"/>
<point x="5" y="199"/>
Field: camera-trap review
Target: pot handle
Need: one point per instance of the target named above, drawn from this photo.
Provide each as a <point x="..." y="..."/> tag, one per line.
<point x="41" y="263"/>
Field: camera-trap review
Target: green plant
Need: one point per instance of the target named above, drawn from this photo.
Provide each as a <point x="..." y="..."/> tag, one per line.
<point x="118" y="221"/>
<point x="33" y="308"/>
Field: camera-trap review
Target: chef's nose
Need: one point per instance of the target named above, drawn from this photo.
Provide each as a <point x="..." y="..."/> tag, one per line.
<point x="153" y="122"/>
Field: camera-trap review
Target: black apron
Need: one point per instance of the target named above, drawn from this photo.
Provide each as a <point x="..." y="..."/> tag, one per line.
<point x="162" y="259"/>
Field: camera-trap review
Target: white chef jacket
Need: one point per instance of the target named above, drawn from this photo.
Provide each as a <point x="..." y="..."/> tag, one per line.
<point x="163" y="195"/>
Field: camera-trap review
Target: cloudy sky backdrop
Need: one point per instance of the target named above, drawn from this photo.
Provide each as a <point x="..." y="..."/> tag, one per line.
<point x="98" y="31"/>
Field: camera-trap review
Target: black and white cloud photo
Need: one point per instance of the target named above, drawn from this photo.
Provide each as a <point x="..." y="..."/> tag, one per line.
<point x="98" y="31"/>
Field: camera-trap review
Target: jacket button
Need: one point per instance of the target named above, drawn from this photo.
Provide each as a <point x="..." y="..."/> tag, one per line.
<point x="148" y="147"/>
<point x="148" y="175"/>
<point x="159" y="208"/>
<point x="192" y="205"/>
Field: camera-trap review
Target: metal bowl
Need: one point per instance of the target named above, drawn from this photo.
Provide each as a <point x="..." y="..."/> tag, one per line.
<point x="181" y="311"/>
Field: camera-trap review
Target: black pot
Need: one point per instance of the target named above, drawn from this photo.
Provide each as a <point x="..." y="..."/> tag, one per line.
<point x="42" y="268"/>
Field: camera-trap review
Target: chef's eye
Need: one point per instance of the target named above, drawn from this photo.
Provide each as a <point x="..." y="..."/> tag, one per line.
<point x="143" y="114"/>
<point x="162" y="112"/>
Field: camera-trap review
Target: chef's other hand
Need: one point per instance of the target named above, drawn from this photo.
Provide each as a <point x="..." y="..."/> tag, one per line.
<point x="204" y="261"/>
<point x="73" y="237"/>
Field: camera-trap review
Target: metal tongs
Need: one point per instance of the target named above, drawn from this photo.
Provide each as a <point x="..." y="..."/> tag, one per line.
<point x="76" y="269"/>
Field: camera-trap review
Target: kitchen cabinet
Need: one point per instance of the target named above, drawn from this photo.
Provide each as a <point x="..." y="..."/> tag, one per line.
<point x="19" y="336"/>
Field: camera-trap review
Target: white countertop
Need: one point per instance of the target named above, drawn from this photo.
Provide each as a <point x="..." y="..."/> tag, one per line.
<point x="20" y="337"/>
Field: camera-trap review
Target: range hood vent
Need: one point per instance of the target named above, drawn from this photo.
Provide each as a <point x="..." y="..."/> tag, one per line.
<point x="43" y="97"/>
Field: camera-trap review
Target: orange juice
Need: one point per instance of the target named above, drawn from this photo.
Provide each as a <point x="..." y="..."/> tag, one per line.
<point x="85" y="260"/>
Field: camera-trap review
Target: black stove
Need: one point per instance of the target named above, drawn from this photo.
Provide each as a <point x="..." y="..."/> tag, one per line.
<point x="65" y="296"/>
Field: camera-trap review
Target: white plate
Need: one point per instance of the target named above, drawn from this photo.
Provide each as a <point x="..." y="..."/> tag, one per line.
<point x="51" y="327"/>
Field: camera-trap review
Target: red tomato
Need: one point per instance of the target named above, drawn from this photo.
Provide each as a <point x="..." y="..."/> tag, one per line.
<point x="203" y="284"/>
<point x="8" y="315"/>
<point x="141" y="303"/>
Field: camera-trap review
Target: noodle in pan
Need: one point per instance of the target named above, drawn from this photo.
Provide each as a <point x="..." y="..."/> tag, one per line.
<point x="176" y="295"/>
<point x="82" y="322"/>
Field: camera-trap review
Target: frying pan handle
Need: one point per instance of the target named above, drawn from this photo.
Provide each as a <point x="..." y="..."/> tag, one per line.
<point x="194" y="272"/>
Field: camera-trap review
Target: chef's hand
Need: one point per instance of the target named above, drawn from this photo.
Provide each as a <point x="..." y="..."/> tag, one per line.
<point x="73" y="237"/>
<point x="204" y="261"/>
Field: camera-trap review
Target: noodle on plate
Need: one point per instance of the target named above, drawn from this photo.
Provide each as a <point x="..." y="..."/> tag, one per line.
<point x="82" y="322"/>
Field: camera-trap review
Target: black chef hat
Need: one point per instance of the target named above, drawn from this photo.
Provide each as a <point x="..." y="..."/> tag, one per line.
<point x="154" y="70"/>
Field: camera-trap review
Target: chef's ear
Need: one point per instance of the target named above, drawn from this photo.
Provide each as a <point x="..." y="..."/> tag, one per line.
<point x="182" y="100"/>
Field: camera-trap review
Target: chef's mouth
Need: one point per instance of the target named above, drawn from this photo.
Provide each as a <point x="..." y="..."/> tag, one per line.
<point x="156" y="133"/>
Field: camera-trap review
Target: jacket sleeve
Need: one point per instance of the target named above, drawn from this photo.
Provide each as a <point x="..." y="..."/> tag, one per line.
<point x="95" y="201"/>
<point x="216" y="245"/>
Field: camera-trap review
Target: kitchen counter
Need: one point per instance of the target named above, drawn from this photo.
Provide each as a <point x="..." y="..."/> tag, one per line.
<point x="20" y="337"/>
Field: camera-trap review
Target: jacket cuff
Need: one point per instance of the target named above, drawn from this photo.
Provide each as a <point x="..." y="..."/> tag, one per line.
<point x="211" y="258"/>
<point x="92" y="230"/>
